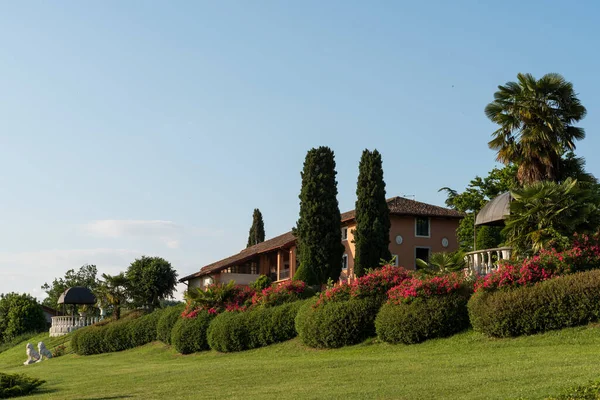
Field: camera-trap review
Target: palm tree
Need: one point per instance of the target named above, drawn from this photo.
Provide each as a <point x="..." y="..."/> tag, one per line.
<point x="536" y="120"/>
<point x="547" y="214"/>
<point x="114" y="291"/>
<point x="442" y="263"/>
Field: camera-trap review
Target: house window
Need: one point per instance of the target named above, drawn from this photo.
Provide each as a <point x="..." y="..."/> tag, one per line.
<point x="422" y="253"/>
<point x="395" y="259"/>
<point x="208" y="281"/>
<point x="344" y="233"/>
<point x="254" y="268"/>
<point x="422" y="226"/>
<point x="345" y="262"/>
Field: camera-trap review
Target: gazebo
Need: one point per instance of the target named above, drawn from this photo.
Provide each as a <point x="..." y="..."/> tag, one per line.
<point x="77" y="295"/>
<point x="492" y="214"/>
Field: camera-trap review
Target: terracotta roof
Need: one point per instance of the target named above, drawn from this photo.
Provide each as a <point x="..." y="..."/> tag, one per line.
<point x="402" y="206"/>
<point x="398" y="206"/>
<point x="277" y="242"/>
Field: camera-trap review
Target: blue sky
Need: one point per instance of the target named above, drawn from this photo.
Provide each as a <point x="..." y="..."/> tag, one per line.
<point x="143" y="127"/>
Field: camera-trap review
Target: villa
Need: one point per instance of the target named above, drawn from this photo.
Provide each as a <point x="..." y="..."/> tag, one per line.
<point x="417" y="229"/>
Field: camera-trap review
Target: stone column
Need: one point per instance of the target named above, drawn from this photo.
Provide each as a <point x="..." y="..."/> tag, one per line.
<point x="279" y="263"/>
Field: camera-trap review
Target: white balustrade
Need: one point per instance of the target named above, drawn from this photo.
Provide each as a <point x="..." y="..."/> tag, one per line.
<point x="66" y="324"/>
<point x="482" y="262"/>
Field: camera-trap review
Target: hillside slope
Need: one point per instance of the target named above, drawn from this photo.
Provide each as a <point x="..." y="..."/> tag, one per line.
<point x="465" y="366"/>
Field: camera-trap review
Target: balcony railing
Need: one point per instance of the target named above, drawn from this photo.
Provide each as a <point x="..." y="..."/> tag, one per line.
<point x="67" y="324"/>
<point x="482" y="262"/>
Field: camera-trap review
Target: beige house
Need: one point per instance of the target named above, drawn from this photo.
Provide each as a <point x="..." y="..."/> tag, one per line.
<point x="417" y="229"/>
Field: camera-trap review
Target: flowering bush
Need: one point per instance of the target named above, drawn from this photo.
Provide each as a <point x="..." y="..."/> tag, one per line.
<point x="374" y="284"/>
<point x="413" y="288"/>
<point x="583" y="255"/>
<point x="218" y="298"/>
<point x="281" y="293"/>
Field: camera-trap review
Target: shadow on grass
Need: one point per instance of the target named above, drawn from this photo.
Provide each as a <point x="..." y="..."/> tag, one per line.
<point x="106" y="398"/>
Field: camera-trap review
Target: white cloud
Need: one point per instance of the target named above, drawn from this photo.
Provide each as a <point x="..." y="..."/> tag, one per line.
<point x="28" y="271"/>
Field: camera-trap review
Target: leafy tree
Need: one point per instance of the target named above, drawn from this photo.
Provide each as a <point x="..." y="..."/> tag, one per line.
<point x="19" y="314"/>
<point x="151" y="279"/>
<point x="372" y="233"/>
<point x="472" y="200"/>
<point x="547" y="214"/>
<point x="257" y="230"/>
<point x="113" y="291"/>
<point x="318" y="230"/>
<point x="85" y="276"/>
<point x="536" y="120"/>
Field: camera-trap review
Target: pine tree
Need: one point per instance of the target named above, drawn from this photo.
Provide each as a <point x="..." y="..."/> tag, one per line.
<point x="372" y="234"/>
<point x="318" y="229"/>
<point x="257" y="230"/>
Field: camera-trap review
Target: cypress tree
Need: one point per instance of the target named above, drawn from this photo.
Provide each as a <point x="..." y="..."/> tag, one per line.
<point x="318" y="230"/>
<point x="257" y="230"/>
<point x="372" y="233"/>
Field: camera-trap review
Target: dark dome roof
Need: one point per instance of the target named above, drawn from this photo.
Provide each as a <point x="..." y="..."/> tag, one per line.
<point x="77" y="295"/>
<point x="495" y="211"/>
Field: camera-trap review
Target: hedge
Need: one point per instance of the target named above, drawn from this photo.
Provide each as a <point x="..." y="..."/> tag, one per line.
<point x="558" y="303"/>
<point x="167" y="321"/>
<point x="116" y="336"/>
<point x="256" y="328"/>
<point x="422" y="319"/>
<point x="338" y="323"/>
<point x="189" y="334"/>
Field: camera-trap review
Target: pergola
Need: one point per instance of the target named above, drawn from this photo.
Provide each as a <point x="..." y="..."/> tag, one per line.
<point x="492" y="214"/>
<point x="77" y="295"/>
<point x="61" y="325"/>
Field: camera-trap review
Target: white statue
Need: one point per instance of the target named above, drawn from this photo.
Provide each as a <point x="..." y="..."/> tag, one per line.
<point x="44" y="352"/>
<point x="32" y="355"/>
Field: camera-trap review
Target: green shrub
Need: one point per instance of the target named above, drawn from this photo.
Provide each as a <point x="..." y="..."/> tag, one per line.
<point x="553" y="304"/>
<point x="189" y="334"/>
<point x="256" y="328"/>
<point x="117" y="335"/>
<point x="338" y="323"/>
<point x="143" y="330"/>
<point x="167" y="321"/>
<point x="422" y="319"/>
<point x="230" y="331"/>
<point x="88" y="341"/>
<point x="14" y="385"/>
<point x="262" y="282"/>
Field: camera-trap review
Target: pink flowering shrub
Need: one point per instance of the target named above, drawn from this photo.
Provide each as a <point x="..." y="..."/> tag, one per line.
<point x="413" y="288"/>
<point x="218" y="298"/>
<point x="375" y="284"/>
<point x="280" y="293"/>
<point x="583" y="255"/>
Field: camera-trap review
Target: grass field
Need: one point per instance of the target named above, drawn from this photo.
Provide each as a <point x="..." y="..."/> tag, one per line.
<point x="466" y="366"/>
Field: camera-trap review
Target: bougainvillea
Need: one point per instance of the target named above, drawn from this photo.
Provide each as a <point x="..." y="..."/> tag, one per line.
<point x="374" y="284"/>
<point x="280" y="293"/>
<point x="583" y="255"/>
<point x="415" y="287"/>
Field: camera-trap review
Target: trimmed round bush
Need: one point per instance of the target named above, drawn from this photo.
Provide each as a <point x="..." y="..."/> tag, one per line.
<point x="143" y="329"/>
<point x="422" y="319"/>
<point x="558" y="303"/>
<point x="337" y="324"/>
<point x="167" y="321"/>
<point x="256" y="328"/>
<point x="189" y="334"/>
<point x="88" y="341"/>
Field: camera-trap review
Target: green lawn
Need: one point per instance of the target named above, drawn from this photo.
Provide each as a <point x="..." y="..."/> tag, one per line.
<point x="466" y="366"/>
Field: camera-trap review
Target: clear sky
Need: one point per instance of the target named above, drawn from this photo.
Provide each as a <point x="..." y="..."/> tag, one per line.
<point x="146" y="127"/>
